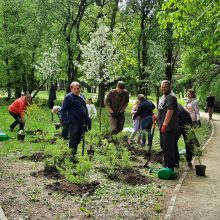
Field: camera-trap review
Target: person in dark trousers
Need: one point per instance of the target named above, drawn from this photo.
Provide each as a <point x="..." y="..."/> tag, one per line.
<point x="167" y="121"/>
<point x="52" y="96"/>
<point x="145" y="111"/>
<point x="116" y="102"/>
<point x="210" y="102"/>
<point x="17" y="110"/>
<point x="184" y="126"/>
<point x="74" y="115"/>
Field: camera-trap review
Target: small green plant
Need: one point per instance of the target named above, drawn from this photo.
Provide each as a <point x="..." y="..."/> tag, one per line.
<point x="198" y="153"/>
<point x="158" y="208"/>
<point x="75" y="173"/>
<point x="88" y="212"/>
<point x="32" y="111"/>
<point x="34" y="195"/>
<point x="19" y="181"/>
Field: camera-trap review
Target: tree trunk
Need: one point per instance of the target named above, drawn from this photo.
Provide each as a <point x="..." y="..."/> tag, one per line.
<point x="8" y="78"/>
<point x="169" y="53"/>
<point x="101" y="95"/>
<point x="39" y="88"/>
<point x="114" y="13"/>
<point x="157" y="95"/>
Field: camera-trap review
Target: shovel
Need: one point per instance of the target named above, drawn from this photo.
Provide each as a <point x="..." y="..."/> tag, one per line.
<point x="149" y="150"/>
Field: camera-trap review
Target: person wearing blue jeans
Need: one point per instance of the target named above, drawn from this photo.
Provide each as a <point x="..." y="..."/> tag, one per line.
<point x="145" y="111"/>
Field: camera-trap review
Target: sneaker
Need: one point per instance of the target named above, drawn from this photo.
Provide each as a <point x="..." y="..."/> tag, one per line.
<point x="189" y="164"/>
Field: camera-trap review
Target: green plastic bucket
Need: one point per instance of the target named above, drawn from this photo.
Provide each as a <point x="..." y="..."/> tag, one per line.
<point x="3" y="136"/>
<point x="166" y="173"/>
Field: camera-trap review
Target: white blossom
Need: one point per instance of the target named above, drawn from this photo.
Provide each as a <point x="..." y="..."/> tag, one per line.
<point x="48" y="66"/>
<point x="99" y="56"/>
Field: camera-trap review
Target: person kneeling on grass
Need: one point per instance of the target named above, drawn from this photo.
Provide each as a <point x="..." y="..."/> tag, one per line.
<point x="17" y="110"/>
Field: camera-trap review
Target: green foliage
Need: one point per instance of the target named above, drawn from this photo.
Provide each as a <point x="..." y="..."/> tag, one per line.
<point x="113" y="155"/>
<point x="198" y="152"/>
<point x="34" y="195"/>
<point x="75" y="173"/>
<point x="158" y="208"/>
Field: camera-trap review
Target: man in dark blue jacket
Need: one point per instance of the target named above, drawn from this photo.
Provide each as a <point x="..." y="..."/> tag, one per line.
<point x="74" y="115"/>
<point x="145" y="111"/>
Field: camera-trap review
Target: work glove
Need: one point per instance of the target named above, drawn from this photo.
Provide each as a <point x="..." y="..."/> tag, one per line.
<point x="199" y="123"/>
<point x="163" y="129"/>
<point x="154" y="117"/>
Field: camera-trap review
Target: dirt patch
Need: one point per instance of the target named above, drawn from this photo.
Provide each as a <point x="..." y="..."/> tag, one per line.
<point x="36" y="132"/>
<point x="51" y="172"/>
<point x="156" y="157"/>
<point x="127" y="175"/>
<point x="73" y="189"/>
<point x="39" y="140"/>
<point x="137" y="151"/>
<point x="36" y="157"/>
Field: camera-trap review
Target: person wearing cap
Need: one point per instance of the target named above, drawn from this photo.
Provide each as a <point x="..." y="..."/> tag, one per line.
<point x="116" y="102"/>
<point x="17" y="110"/>
<point x="167" y="121"/>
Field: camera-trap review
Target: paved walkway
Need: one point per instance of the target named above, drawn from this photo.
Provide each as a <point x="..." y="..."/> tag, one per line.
<point x="199" y="197"/>
<point x="2" y="214"/>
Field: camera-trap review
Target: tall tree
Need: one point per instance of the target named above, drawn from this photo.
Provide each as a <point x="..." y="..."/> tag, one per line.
<point x="99" y="57"/>
<point x="69" y="14"/>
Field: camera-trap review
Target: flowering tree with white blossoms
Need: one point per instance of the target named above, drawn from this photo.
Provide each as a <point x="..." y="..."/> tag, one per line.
<point x="99" y="58"/>
<point x="48" y="66"/>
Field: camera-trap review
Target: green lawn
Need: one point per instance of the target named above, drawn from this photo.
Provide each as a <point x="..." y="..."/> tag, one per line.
<point x="139" y="199"/>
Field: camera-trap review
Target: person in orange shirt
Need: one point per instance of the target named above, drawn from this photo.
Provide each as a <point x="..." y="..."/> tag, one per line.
<point x="17" y="110"/>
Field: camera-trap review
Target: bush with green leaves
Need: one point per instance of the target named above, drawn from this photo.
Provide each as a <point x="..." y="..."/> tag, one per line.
<point x="114" y="155"/>
<point x="76" y="173"/>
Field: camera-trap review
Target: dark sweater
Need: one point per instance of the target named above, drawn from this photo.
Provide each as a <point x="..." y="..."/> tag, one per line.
<point x="184" y="117"/>
<point x="74" y="109"/>
<point x="145" y="108"/>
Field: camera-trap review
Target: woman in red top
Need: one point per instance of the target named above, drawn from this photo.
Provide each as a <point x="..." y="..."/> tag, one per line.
<point x="17" y="110"/>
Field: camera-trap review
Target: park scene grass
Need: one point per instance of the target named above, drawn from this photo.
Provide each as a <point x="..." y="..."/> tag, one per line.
<point x="112" y="183"/>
